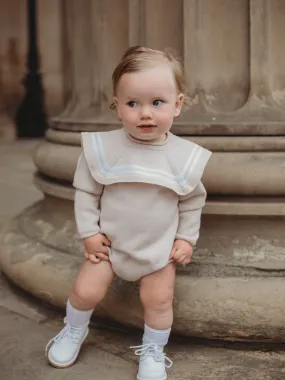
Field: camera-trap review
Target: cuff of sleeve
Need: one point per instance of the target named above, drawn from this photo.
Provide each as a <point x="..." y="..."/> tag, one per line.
<point x="186" y="238"/>
<point x="86" y="235"/>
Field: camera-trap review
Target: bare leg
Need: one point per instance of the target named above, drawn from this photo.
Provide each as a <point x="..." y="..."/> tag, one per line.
<point x="89" y="289"/>
<point x="156" y="294"/>
<point x="91" y="285"/>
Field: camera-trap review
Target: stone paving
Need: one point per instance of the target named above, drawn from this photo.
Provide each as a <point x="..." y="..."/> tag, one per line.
<point x="16" y="178"/>
<point x="26" y="324"/>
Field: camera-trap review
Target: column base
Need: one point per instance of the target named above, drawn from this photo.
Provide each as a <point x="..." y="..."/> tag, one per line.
<point x="231" y="291"/>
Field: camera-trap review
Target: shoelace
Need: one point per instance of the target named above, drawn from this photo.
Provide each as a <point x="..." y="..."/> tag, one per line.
<point x="72" y="332"/>
<point x="151" y="349"/>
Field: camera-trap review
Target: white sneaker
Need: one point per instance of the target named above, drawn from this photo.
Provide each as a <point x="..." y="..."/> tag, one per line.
<point x="63" y="349"/>
<point x="153" y="362"/>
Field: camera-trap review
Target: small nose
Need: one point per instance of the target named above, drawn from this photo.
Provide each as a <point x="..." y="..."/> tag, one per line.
<point x="145" y="113"/>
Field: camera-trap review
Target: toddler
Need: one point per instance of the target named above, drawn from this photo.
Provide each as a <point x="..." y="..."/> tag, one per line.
<point x="138" y="204"/>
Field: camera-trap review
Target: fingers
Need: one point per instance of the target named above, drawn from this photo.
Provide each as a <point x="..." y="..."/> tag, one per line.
<point x="93" y="258"/>
<point x="105" y="240"/>
<point x="174" y="249"/>
<point x="104" y="249"/>
<point x="96" y="257"/>
<point x="180" y="256"/>
<point x="184" y="259"/>
<point x="177" y="254"/>
<point x="103" y="256"/>
<point x="181" y="259"/>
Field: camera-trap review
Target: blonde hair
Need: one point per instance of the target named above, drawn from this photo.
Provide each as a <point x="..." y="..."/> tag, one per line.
<point x="138" y="58"/>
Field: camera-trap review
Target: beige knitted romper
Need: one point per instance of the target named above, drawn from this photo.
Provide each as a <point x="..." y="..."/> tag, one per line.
<point x="141" y="195"/>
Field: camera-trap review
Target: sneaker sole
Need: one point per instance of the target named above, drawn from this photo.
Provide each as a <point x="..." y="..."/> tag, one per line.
<point x="58" y="366"/>
<point x="165" y="378"/>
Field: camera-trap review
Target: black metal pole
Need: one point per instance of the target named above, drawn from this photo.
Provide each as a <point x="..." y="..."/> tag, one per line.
<point x="31" y="119"/>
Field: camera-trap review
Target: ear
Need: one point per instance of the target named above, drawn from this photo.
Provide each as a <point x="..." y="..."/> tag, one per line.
<point x="117" y="108"/>
<point x="178" y="104"/>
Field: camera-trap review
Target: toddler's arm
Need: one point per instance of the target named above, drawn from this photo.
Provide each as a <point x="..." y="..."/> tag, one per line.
<point x="87" y="213"/>
<point x="87" y="200"/>
<point x="190" y="209"/>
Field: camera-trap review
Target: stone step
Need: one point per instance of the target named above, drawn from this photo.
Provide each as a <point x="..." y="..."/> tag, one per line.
<point x="107" y="355"/>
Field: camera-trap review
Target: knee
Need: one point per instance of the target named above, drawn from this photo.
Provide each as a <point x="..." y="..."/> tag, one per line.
<point x="160" y="299"/>
<point x="87" y="294"/>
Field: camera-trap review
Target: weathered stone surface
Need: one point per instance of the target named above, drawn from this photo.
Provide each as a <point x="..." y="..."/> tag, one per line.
<point x="16" y="178"/>
<point x="15" y="300"/>
<point x="107" y="355"/>
<point x="198" y="360"/>
<point x="219" y="296"/>
<point x="108" y="352"/>
<point x="226" y="292"/>
<point x="22" y="355"/>
<point x="228" y="245"/>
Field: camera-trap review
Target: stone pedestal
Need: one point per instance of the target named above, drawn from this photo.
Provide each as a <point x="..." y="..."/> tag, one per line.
<point x="233" y="288"/>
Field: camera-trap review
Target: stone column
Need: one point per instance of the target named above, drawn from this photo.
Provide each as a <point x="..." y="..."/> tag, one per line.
<point x="50" y="44"/>
<point x="12" y="47"/>
<point x="7" y="127"/>
<point x="233" y="288"/>
<point x="13" y="53"/>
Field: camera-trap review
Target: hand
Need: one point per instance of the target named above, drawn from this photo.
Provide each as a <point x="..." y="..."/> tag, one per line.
<point x="96" y="248"/>
<point x="181" y="252"/>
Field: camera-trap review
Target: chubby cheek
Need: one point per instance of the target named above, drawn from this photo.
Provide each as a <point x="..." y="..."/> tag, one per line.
<point x="129" y="115"/>
<point x="164" y="119"/>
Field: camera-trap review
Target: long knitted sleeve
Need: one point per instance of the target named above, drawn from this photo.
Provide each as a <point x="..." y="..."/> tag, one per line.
<point x="87" y="200"/>
<point x="190" y="209"/>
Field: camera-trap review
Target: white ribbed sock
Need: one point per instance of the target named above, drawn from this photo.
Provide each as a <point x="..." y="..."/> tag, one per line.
<point x="159" y="337"/>
<point x="77" y="318"/>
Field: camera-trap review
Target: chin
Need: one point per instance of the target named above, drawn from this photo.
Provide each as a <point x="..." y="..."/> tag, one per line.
<point x="147" y="136"/>
<point x="143" y="136"/>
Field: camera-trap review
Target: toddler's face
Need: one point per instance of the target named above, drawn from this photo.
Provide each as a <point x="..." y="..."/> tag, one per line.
<point x="147" y="102"/>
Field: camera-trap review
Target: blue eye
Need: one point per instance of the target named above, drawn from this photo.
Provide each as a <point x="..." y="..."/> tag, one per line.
<point x="132" y="104"/>
<point x="157" y="102"/>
